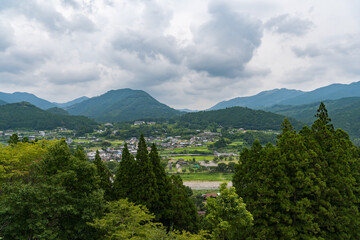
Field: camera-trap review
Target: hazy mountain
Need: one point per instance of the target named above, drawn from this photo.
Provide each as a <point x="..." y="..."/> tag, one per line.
<point x="3" y="102"/>
<point x="122" y="105"/>
<point x="187" y="110"/>
<point x="57" y="110"/>
<point x="259" y="101"/>
<point x="344" y="112"/>
<point x="26" y="97"/>
<point x="70" y="103"/>
<point x="331" y="92"/>
<point x="24" y="115"/>
<point x="235" y="117"/>
<point x="292" y="97"/>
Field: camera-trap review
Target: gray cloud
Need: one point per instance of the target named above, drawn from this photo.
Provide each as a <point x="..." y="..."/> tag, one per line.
<point x="289" y="25"/>
<point x="6" y="37"/>
<point x="309" y="51"/>
<point x="224" y="45"/>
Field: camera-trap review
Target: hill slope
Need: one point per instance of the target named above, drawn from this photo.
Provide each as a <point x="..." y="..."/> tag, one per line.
<point x="235" y="117"/>
<point x="344" y="112"/>
<point x="27" y="116"/>
<point x="70" y="103"/>
<point x="122" y="105"/>
<point x="26" y="97"/>
<point x="3" y="102"/>
<point x="259" y="101"/>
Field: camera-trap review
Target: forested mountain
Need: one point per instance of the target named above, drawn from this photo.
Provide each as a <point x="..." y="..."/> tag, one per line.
<point x="284" y="96"/>
<point x="122" y="105"/>
<point x="26" y="97"/>
<point x="57" y="110"/>
<point x="27" y="116"/>
<point x="3" y="102"/>
<point x="236" y="117"/>
<point x="345" y="113"/>
<point x="70" y="103"/>
<point x="259" y="101"/>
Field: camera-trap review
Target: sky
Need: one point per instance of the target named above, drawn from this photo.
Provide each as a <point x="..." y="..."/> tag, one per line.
<point x="186" y="54"/>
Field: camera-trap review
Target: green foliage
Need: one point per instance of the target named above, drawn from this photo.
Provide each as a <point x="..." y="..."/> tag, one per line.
<point x="56" y="110"/>
<point x="124" y="220"/>
<point x="226" y="215"/>
<point x="14" y="139"/>
<point x="59" y="197"/>
<point x="305" y="187"/>
<point x="105" y="177"/>
<point x="24" y="115"/>
<point x="144" y="181"/>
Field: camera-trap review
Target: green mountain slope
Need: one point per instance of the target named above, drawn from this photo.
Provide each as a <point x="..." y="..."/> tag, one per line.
<point x="26" y="97"/>
<point x="27" y="116"/>
<point x="236" y="117"/>
<point x="345" y="113"/>
<point x="70" y="103"/>
<point x="259" y="101"/>
<point x="122" y="105"/>
<point x="57" y="110"/>
<point x="3" y="102"/>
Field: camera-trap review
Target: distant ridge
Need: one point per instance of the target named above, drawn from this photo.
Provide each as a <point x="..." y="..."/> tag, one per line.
<point x="122" y="105"/>
<point x="2" y="102"/>
<point x="70" y="103"/>
<point x="285" y="96"/>
<point x="260" y="100"/>
<point x="26" y="97"/>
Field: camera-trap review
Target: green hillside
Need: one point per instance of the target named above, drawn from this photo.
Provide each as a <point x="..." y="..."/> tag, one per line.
<point x="122" y="105"/>
<point x="235" y="117"/>
<point x="26" y="116"/>
<point x="345" y="113"/>
<point x="57" y="110"/>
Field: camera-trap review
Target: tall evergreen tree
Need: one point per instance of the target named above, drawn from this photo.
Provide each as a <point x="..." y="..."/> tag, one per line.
<point x="162" y="207"/>
<point x="125" y="176"/>
<point x="305" y="187"/>
<point x="105" y="177"/>
<point x="145" y="187"/>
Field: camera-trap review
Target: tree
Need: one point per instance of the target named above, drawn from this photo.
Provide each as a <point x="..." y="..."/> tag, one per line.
<point x="58" y="200"/>
<point x="305" y="187"/>
<point x="105" y="176"/>
<point x="14" y="139"/>
<point x="125" y="220"/>
<point x="125" y="175"/>
<point x="226" y="215"/>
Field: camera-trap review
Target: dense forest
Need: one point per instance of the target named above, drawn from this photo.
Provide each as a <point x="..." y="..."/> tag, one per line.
<point x="306" y="186"/>
<point x="26" y="116"/>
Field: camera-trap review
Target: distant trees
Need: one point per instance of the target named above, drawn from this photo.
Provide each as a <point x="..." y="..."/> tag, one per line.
<point x="304" y="187"/>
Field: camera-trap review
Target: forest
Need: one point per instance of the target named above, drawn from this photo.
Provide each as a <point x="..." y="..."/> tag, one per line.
<point x="304" y="186"/>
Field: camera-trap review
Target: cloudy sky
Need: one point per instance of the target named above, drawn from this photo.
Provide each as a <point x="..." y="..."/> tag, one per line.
<point x="187" y="54"/>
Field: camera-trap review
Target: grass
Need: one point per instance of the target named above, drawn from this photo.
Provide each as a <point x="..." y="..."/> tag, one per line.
<point x="206" y="176"/>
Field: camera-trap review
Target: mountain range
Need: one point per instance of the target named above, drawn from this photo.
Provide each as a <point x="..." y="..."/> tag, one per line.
<point x="285" y="96"/>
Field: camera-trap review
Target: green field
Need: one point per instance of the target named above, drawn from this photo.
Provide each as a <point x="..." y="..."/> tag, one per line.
<point x="205" y="176"/>
<point x="204" y="191"/>
<point x="197" y="158"/>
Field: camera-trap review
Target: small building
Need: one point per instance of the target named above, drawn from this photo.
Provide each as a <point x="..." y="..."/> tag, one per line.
<point x="139" y="123"/>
